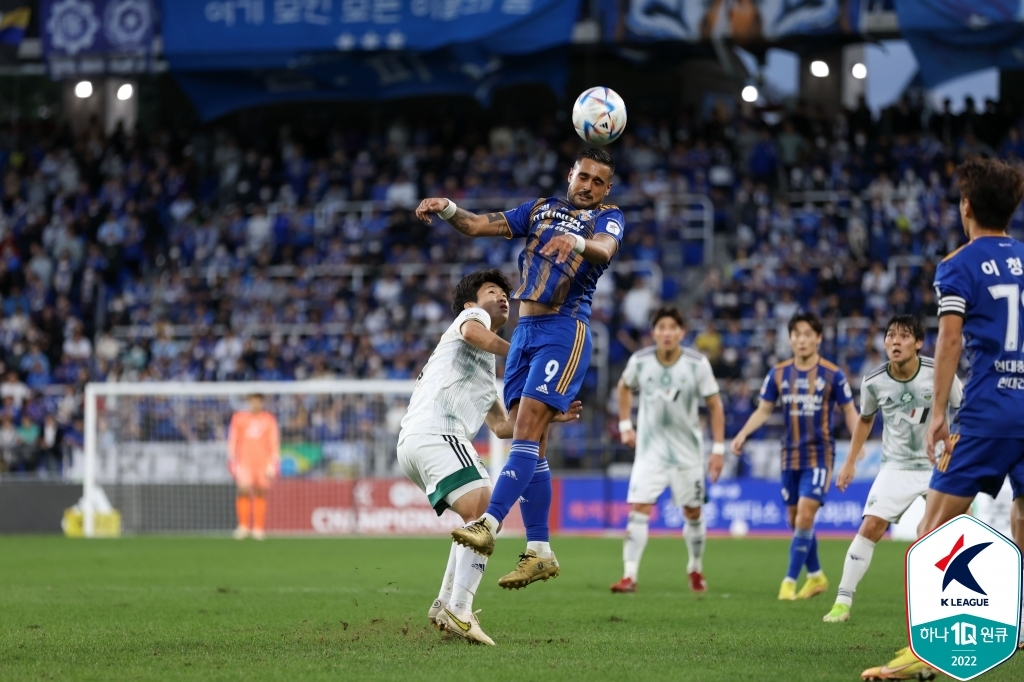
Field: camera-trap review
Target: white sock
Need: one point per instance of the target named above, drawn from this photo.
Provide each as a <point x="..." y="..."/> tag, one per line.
<point x="634" y="543"/>
<point x="492" y="523"/>
<point x="695" y="533"/>
<point x="542" y="549"/>
<point x="858" y="559"/>
<point x="469" y="571"/>
<point x="445" y="595"/>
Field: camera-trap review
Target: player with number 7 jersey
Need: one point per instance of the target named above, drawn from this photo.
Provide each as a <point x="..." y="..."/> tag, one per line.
<point x="980" y="289"/>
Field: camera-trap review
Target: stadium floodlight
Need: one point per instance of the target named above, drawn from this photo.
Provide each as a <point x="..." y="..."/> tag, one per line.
<point x="859" y="71"/>
<point x="819" y="69"/>
<point x="749" y="94"/>
<point x="83" y="89"/>
<point x="125" y="92"/>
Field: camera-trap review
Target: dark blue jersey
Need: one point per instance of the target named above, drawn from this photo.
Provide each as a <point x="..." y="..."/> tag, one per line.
<point x="567" y="288"/>
<point x="982" y="282"/>
<point x="808" y="399"/>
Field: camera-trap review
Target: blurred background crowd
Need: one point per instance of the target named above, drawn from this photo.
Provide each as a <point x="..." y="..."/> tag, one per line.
<point x="290" y="252"/>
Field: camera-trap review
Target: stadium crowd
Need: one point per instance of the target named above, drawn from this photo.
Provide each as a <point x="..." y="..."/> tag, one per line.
<point x="214" y="253"/>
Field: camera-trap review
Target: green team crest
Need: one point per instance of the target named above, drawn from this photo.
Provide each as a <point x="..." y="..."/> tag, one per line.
<point x="963" y="598"/>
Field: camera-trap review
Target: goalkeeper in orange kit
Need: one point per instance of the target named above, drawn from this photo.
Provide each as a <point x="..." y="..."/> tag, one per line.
<point x="254" y="459"/>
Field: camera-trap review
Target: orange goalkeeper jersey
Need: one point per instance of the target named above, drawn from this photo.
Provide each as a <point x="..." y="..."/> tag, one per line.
<point x="253" y="439"/>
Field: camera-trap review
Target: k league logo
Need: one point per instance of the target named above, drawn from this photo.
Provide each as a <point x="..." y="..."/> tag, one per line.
<point x="963" y="598"/>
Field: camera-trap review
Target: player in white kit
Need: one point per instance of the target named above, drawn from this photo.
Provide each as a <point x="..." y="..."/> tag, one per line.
<point x="902" y="390"/>
<point x="672" y="382"/>
<point x="454" y="395"/>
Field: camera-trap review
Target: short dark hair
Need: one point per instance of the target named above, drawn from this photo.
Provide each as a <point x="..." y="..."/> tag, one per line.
<point x="907" y="323"/>
<point x="809" y="318"/>
<point x="599" y="155"/>
<point x="994" y="188"/>
<point x="668" y="311"/>
<point x="467" y="289"/>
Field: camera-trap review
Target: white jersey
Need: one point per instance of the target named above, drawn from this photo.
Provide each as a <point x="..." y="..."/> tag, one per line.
<point x="456" y="388"/>
<point x="905" y="406"/>
<point x="668" y="425"/>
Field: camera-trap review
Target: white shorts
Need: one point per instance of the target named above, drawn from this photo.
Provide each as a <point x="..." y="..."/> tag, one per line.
<point x="649" y="479"/>
<point x="894" y="490"/>
<point x="444" y="467"/>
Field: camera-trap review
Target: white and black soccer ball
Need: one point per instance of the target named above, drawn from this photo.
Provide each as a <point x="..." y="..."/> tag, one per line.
<point x="599" y="115"/>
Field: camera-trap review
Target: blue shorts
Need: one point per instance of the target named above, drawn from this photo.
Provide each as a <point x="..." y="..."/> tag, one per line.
<point x="547" y="360"/>
<point x="976" y="464"/>
<point x="809" y="483"/>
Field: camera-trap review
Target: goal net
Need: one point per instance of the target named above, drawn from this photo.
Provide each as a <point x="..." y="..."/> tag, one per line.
<point x="157" y="454"/>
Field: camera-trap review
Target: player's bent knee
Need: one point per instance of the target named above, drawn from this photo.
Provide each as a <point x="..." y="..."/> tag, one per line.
<point x="873" y="528"/>
<point x="473" y="504"/>
<point x="691" y="513"/>
<point x="641" y="508"/>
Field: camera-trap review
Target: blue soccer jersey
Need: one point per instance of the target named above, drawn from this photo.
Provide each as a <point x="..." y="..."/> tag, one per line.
<point x="982" y="282"/>
<point x="808" y="398"/>
<point x="567" y="288"/>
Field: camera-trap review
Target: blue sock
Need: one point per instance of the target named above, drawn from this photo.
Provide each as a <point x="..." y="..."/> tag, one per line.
<point x="535" y="504"/>
<point x="798" y="551"/>
<point x="517" y="474"/>
<point x="813" y="565"/>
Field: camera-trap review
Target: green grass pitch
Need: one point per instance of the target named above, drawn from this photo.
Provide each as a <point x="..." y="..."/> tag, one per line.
<point x="354" y="609"/>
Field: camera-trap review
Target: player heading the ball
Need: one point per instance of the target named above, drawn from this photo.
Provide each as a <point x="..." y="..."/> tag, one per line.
<point x="570" y="241"/>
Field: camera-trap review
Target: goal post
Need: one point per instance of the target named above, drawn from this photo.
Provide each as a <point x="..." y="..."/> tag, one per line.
<point x="156" y="452"/>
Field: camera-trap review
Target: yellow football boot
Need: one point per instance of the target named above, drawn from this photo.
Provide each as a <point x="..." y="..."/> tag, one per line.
<point x="531" y="568"/>
<point x="813" y="587"/>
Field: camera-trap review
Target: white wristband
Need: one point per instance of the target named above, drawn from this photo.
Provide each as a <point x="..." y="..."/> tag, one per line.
<point x="718" y="449"/>
<point x="448" y="210"/>
<point x="625" y="425"/>
<point x="581" y="244"/>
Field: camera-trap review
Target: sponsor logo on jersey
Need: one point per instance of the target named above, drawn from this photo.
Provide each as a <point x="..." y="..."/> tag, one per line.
<point x="543" y="388"/>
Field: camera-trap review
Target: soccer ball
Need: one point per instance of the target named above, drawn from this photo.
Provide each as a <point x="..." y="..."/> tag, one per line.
<point x="599" y="115"/>
<point x="739" y="528"/>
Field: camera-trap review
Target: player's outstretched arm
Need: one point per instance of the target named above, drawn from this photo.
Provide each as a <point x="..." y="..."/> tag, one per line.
<point x="754" y="422"/>
<point x="861" y="432"/>
<point x="947" y="358"/>
<point x="483" y="338"/>
<point x="463" y="221"/>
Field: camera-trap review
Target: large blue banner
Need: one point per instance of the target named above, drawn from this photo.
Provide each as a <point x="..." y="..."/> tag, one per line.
<point x="951" y="38"/>
<point x="96" y="36"/>
<point x="383" y="75"/>
<point x="201" y="31"/>
<point x="595" y="504"/>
